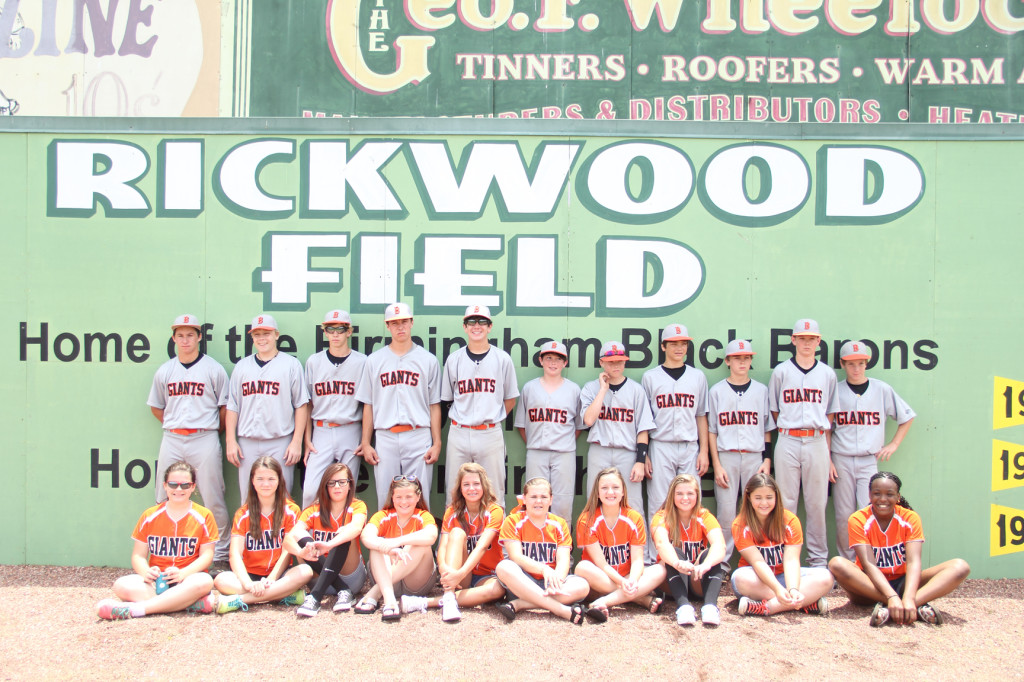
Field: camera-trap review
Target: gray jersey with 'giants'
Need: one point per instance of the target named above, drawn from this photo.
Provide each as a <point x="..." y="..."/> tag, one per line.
<point x="739" y="420"/>
<point x="859" y="427"/>
<point x="332" y="387"/>
<point x="624" y="414"/>
<point x="191" y="396"/>
<point x="266" y="397"/>
<point x="676" y="403"/>
<point x="803" y="399"/>
<point x="550" y="419"/>
<point x="478" y="390"/>
<point x="400" y="388"/>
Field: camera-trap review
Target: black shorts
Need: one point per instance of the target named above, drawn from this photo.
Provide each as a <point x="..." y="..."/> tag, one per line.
<point x="899" y="584"/>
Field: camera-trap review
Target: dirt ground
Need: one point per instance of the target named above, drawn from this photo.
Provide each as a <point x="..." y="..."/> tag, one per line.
<point x="48" y="630"/>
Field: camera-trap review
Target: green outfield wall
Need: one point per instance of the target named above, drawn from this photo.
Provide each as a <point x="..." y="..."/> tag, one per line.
<point x="578" y="232"/>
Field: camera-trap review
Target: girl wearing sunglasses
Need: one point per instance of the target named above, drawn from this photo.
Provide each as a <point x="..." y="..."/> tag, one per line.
<point x="174" y="543"/>
<point x="399" y="538"/>
<point x="326" y="537"/>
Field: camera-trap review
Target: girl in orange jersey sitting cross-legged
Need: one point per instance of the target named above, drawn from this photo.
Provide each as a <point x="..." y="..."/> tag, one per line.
<point x="612" y="535"/>
<point x="174" y="544"/>
<point x="536" y="572"/>
<point x="259" y="565"/>
<point x="887" y="537"/>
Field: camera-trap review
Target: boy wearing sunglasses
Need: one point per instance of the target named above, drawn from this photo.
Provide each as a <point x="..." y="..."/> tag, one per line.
<point x="480" y="383"/>
<point x="336" y="417"/>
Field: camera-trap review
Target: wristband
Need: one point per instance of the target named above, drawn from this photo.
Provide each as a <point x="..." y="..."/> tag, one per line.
<point x="769" y="451"/>
<point x="641" y="452"/>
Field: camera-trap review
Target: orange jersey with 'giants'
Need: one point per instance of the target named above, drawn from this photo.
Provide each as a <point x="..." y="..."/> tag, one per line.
<point x="694" y="536"/>
<point x="314" y="523"/>
<point x="175" y="543"/>
<point x="888" y="546"/>
<point x="490" y="519"/>
<point x="539" y="544"/>
<point x="772" y="552"/>
<point x="615" y="541"/>
<point x="386" y="523"/>
<point x="262" y="553"/>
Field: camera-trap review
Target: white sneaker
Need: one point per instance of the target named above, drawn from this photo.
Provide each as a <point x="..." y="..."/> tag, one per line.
<point x="344" y="601"/>
<point x="450" y="609"/>
<point x="413" y="604"/>
<point x="310" y="607"/>
<point x="685" y="615"/>
<point x="709" y="615"/>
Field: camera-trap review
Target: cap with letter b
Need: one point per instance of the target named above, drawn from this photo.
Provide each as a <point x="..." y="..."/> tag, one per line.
<point x="477" y="311"/>
<point x="553" y="347"/>
<point x="187" y="321"/>
<point x="263" y="322"/>
<point x="806" y="327"/>
<point x="336" y="316"/>
<point x="397" y="311"/>
<point x="855" y="350"/>
<point x="613" y="350"/>
<point x="675" y="332"/>
<point x="739" y="347"/>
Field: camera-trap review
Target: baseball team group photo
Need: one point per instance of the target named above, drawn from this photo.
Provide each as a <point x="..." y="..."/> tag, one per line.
<point x="651" y="536"/>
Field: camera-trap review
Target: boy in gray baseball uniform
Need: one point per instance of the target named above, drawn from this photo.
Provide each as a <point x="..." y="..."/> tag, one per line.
<point x="858" y="436"/>
<point x="619" y="416"/>
<point x="679" y="440"/>
<point x="549" y="421"/>
<point x="802" y="398"/>
<point x="480" y="383"/>
<point x="336" y="417"/>
<point x="188" y="397"/>
<point x="268" y="406"/>
<point x="401" y="395"/>
<point x="739" y="434"/>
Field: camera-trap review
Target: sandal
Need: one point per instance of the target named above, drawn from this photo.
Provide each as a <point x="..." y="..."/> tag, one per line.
<point x="655" y="605"/>
<point x="507" y="610"/>
<point x="390" y="613"/>
<point x="576" y="617"/>
<point x="366" y="605"/>
<point x="598" y="614"/>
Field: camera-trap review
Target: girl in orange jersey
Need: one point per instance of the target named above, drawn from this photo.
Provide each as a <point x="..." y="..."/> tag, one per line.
<point x="691" y="546"/>
<point x="259" y="566"/>
<point x="174" y="544"/>
<point x="536" y="571"/>
<point x="399" y="538"/>
<point x="468" y="551"/>
<point x="326" y="536"/>
<point x="612" y="535"/>
<point x="770" y="579"/>
<point x="887" y="538"/>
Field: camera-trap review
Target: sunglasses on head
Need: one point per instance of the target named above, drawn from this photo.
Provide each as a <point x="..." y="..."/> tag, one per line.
<point x="403" y="477"/>
<point x="337" y="483"/>
<point x="175" y="485"/>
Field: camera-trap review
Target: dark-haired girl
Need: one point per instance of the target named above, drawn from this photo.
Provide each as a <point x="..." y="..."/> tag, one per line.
<point x="887" y="538"/>
<point x="326" y="537"/>
<point x="770" y="579"/>
<point x="259" y="565"/>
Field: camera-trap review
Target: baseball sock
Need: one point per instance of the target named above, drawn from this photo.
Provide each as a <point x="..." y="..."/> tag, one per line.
<point x="329" y="575"/>
<point x="679" y="586"/>
<point x="712" y="585"/>
<point x="137" y="609"/>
